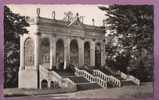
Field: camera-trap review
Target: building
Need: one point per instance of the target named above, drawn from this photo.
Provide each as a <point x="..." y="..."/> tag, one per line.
<point x="56" y="45"/>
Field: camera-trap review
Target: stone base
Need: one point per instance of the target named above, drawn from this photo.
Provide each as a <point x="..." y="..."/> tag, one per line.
<point x="28" y="78"/>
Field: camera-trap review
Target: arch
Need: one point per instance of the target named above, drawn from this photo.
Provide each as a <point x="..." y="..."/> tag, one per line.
<point x="74" y="52"/>
<point x="98" y="54"/>
<point x="29" y="52"/>
<point x="60" y="54"/>
<point x="52" y="84"/>
<point x="87" y="53"/>
<point x="44" y="50"/>
<point x="44" y="84"/>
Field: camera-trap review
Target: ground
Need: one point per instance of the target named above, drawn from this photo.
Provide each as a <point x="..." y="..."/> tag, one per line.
<point x="145" y="90"/>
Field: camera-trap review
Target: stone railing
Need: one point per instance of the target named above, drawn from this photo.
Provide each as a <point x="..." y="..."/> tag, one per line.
<point x="52" y="76"/>
<point x="66" y="82"/>
<point x="134" y="79"/>
<point x="85" y="74"/>
<point x="90" y="77"/>
<point x="101" y="82"/>
<point x="130" y="77"/>
<point x="116" y="82"/>
<point x="123" y="75"/>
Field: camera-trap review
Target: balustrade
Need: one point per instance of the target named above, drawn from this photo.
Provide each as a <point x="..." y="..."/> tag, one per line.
<point x="115" y="81"/>
<point x="90" y="77"/>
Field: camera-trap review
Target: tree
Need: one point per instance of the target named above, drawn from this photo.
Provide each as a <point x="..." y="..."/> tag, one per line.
<point x="14" y="25"/>
<point x="132" y="27"/>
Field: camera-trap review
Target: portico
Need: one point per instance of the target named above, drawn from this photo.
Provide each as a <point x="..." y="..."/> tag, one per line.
<point x="77" y="44"/>
<point x="55" y="44"/>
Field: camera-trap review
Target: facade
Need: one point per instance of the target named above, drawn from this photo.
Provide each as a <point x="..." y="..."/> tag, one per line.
<point x="52" y="42"/>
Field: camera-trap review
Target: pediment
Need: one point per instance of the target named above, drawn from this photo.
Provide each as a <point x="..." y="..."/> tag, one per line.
<point x="76" y="24"/>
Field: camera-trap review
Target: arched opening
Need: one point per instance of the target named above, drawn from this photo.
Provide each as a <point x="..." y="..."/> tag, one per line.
<point x="52" y="84"/>
<point x="45" y="51"/>
<point x="29" y="52"/>
<point x="44" y="84"/>
<point x="60" y="54"/>
<point x="86" y="53"/>
<point x="74" y="57"/>
<point x="98" y="54"/>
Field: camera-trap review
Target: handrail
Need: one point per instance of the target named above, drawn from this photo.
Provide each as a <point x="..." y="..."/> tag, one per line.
<point x="85" y="74"/>
<point x="53" y="73"/>
<point x="50" y="72"/>
<point x="56" y="74"/>
<point x="123" y="75"/>
<point x="134" y="79"/>
<point x="90" y="77"/>
<point x="100" y="81"/>
<point x="130" y="77"/>
<point x="107" y="78"/>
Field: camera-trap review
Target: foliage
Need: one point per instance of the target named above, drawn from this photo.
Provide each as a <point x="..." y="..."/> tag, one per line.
<point x="130" y="48"/>
<point x="14" y="25"/>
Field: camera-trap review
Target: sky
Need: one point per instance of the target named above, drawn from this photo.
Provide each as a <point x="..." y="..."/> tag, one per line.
<point x="88" y="11"/>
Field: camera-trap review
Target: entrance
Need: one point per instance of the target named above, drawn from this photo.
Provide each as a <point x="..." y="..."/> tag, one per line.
<point x="74" y="57"/>
<point x="60" y="54"/>
<point x="98" y="54"/>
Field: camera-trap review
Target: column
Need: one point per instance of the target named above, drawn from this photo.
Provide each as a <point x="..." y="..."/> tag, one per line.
<point x="65" y="52"/>
<point x="22" y="53"/>
<point x="81" y="51"/>
<point x="51" y="52"/>
<point x="68" y="50"/>
<point x="102" y="54"/>
<point x="36" y="52"/>
<point x="92" y="53"/>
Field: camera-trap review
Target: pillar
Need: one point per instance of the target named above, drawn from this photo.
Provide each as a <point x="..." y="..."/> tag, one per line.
<point x="22" y="53"/>
<point x="68" y="50"/>
<point x="51" y="53"/>
<point x="65" y="52"/>
<point x="92" y="53"/>
<point x="81" y="51"/>
<point x="36" y="52"/>
<point x="53" y="50"/>
<point x="102" y="54"/>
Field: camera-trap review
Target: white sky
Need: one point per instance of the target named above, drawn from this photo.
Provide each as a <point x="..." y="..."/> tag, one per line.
<point x="89" y="11"/>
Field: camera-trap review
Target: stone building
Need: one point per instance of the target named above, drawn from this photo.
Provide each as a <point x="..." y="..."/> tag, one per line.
<point x="52" y="42"/>
<point x="52" y="47"/>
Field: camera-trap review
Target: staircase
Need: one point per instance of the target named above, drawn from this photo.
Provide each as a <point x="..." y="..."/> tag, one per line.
<point x="107" y="78"/>
<point x="120" y="76"/>
<point x="83" y="79"/>
<point x="81" y="82"/>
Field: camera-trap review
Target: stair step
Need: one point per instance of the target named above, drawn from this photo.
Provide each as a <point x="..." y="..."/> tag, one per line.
<point x="127" y="83"/>
<point x="65" y="74"/>
<point x="78" y="79"/>
<point x="87" y="86"/>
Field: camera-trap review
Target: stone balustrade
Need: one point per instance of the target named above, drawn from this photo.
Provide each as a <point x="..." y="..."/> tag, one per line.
<point x="123" y="75"/>
<point x="100" y="81"/>
<point x="115" y="81"/>
<point x="134" y="79"/>
<point x="85" y="74"/>
<point x="90" y="77"/>
<point x="53" y="76"/>
<point x="130" y="77"/>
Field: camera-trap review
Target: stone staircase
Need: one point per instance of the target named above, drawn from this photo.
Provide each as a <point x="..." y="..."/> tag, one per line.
<point x="107" y="78"/>
<point x="125" y="81"/>
<point x="81" y="82"/>
<point x="83" y="79"/>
